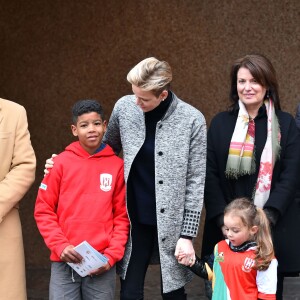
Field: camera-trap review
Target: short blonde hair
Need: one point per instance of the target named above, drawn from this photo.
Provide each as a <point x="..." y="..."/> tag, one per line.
<point x="151" y="75"/>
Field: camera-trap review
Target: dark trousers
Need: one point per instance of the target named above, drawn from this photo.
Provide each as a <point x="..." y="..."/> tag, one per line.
<point x="144" y="241"/>
<point x="279" y="292"/>
<point x="280" y="280"/>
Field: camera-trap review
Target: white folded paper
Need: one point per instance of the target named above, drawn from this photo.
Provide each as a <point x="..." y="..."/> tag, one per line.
<point x="92" y="259"/>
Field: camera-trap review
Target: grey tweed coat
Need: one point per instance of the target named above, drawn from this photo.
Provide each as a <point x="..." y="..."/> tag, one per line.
<point x="180" y="159"/>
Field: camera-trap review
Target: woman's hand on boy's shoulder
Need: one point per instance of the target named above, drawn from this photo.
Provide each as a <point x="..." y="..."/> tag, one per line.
<point x="49" y="164"/>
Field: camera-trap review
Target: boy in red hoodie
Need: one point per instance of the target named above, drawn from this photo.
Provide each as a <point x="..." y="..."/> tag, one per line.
<point x="83" y="198"/>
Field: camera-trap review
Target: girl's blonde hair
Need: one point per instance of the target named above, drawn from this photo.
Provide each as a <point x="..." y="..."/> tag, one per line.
<point x="151" y="75"/>
<point x="255" y="216"/>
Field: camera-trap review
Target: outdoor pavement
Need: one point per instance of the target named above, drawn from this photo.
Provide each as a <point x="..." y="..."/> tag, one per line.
<point x="38" y="280"/>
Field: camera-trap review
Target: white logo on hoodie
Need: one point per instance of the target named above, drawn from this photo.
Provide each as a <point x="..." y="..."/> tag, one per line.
<point x="105" y="182"/>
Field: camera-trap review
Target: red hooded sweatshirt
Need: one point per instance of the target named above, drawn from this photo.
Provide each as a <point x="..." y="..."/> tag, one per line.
<point x="83" y="198"/>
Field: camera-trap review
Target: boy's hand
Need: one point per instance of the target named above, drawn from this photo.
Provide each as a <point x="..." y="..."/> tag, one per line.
<point x="101" y="270"/>
<point x="49" y="164"/>
<point x="70" y="255"/>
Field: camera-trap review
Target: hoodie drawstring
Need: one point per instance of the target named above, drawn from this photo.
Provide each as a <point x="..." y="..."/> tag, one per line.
<point x="73" y="279"/>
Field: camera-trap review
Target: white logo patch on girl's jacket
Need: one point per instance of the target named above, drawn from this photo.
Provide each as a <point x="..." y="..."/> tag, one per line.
<point x="248" y="264"/>
<point x="105" y="182"/>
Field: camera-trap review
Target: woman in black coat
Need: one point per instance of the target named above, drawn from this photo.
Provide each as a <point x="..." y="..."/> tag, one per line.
<point x="238" y="150"/>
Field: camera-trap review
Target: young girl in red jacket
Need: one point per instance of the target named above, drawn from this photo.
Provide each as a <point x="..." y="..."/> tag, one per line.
<point x="244" y="266"/>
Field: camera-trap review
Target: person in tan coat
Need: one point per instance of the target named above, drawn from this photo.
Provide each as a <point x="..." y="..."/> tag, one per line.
<point x="17" y="173"/>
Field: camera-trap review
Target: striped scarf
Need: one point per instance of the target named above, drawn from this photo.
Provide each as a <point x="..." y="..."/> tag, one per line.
<point x="241" y="157"/>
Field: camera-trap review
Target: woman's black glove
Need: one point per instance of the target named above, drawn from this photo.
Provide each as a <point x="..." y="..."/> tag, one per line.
<point x="272" y="215"/>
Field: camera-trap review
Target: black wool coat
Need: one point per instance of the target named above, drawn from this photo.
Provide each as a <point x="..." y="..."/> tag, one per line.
<point x="219" y="190"/>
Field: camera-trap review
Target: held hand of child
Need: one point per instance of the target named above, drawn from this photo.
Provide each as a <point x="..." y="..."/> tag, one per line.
<point x="101" y="270"/>
<point x="184" y="252"/>
<point x="70" y="255"/>
<point x="181" y="258"/>
<point x="49" y="164"/>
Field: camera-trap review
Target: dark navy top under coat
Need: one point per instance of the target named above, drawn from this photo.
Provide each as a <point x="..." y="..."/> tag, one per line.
<point x="297" y="117"/>
<point x="142" y="173"/>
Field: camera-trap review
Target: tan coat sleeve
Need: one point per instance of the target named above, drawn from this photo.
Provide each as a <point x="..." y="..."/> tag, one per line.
<point x="17" y="157"/>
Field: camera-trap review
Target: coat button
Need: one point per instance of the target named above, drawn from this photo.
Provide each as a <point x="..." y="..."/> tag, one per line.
<point x="162" y="210"/>
<point x="160" y="182"/>
<point x="160" y="153"/>
<point x="160" y="126"/>
<point x="163" y="239"/>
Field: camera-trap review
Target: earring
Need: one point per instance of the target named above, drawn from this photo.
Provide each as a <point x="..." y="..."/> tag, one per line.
<point x="268" y="94"/>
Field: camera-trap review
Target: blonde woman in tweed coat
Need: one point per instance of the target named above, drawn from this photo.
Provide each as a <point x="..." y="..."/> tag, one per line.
<point x="163" y="140"/>
<point x="164" y="146"/>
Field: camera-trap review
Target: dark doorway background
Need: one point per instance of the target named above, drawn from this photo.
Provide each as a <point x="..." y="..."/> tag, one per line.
<point x="56" y="52"/>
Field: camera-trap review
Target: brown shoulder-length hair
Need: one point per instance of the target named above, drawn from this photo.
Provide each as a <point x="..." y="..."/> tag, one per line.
<point x="264" y="73"/>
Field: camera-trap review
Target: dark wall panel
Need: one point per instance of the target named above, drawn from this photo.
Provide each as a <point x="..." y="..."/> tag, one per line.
<point x="56" y="52"/>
